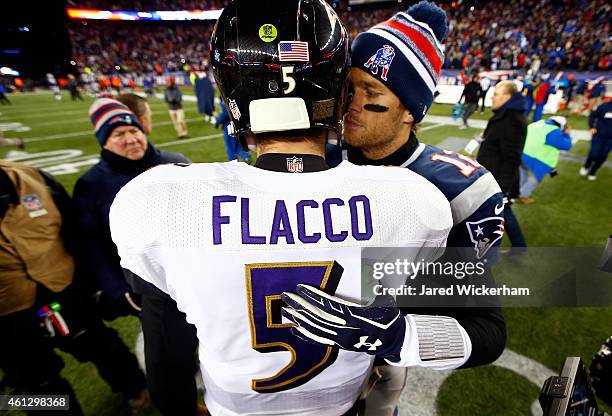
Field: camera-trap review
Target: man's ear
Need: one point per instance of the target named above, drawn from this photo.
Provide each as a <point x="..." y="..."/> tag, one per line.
<point x="407" y="117"/>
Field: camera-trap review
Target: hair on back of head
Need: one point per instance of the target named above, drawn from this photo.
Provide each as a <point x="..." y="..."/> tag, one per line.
<point x="508" y="87"/>
<point x="134" y="102"/>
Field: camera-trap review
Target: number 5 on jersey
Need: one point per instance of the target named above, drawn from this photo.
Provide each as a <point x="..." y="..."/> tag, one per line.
<point x="265" y="283"/>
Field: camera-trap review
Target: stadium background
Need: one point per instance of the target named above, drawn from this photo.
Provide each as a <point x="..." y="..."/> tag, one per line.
<point x="570" y="212"/>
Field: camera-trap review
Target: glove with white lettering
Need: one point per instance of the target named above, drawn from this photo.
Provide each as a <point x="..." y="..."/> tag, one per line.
<point x="377" y="329"/>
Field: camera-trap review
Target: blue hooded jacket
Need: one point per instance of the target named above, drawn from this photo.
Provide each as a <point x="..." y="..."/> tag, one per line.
<point x="556" y="138"/>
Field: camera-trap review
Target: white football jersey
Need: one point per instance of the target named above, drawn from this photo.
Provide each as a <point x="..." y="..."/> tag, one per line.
<point x="226" y="239"/>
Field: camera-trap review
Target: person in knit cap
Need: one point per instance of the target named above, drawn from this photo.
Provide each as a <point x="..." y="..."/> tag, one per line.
<point x="170" y="341"/>
<point x="395" y="70"/>
<point x="125" y="154"/>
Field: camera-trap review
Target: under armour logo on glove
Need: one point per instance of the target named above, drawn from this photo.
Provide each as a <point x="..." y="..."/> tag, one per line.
<point x="363" y="343"/>
<point x="330" y="320"/>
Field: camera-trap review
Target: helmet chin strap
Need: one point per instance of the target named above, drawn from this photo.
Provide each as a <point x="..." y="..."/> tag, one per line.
<point x="375" y="108"/>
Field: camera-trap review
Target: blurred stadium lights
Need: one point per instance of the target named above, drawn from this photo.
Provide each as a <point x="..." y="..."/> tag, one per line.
<point x="72" y="63"/>
<point x="8" y="71"/>
<point x="179" y="15"/>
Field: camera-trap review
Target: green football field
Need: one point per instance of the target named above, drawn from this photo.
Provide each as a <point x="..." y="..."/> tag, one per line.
<point x="569" y="212"/>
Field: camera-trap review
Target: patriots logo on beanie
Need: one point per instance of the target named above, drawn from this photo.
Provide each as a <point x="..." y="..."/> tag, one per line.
<point x="382" y="58"/>
<point x="408" y="51"/>
<point x="108" y="113"/>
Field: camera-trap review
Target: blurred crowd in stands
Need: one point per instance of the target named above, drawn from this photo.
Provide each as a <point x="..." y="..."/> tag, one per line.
<point x="536" y="34"/>
<point x="139" y="47"/>
<point x="522" y="34"/>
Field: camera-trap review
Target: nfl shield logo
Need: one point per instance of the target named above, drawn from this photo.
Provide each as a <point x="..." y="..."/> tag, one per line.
<point x="31" y="202"/>
<point x="295" y="164"/>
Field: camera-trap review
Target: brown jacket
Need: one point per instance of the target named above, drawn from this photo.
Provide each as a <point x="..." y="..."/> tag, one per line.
<point x="31" y="249"/>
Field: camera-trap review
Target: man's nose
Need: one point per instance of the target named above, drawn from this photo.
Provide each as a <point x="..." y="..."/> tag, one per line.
<point x="130" y="138"/>
<point x="355" y="103"/>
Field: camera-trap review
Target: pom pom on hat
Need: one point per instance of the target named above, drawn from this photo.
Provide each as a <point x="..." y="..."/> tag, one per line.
<point x="431" y="14"/>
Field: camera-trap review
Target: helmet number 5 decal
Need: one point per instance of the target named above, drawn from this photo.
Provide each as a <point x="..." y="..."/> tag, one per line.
<point x="288" y="79"/>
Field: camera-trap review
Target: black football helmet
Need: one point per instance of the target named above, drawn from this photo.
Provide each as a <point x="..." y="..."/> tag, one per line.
<point x="281" y="65"/>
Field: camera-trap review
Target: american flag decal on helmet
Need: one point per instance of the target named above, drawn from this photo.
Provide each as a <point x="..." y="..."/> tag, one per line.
<point x="293" y="51"/>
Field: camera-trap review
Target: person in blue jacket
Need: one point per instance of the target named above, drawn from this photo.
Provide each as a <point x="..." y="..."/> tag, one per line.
<point x="232" y="146"/>
<point x="545" y="140"/>
<point x="528" y="90"/>
<point x="147" y="84"/>
<point x="125" y="154"/>
<point x="600" y="123"/>
<point x="205" y="94"/>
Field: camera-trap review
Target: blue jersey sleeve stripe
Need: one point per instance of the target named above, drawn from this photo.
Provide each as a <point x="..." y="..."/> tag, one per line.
<point x="472" y="197"/>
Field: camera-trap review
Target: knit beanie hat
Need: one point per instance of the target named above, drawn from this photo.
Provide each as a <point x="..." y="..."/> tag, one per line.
<point x="405" y="53"/>
<point x="108" y="113"/>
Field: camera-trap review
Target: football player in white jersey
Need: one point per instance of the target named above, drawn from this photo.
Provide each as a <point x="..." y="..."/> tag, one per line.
<point x="226" y="240"/>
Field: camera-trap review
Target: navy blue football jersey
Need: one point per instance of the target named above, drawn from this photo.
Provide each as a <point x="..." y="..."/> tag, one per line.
<point x="476" y="200"/>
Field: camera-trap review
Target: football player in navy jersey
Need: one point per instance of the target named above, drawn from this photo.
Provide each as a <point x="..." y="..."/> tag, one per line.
<point x="238" y="247"/>
<point x="390" y="96"/>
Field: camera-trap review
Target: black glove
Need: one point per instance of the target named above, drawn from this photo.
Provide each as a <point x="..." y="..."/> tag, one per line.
<point x="376" y="329"/>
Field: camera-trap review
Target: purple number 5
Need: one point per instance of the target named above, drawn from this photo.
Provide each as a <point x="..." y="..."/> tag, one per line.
<point x="265" y="283"/>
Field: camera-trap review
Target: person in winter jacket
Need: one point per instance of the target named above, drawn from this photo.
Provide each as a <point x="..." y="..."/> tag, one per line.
<point x="125" y="154"/>
<point x="46" y="300"/>
<point x="205" y="94"/>
<point x="540" y="97"/>
<point x="545" y="140"/>
<point x="502" y="148"/>
<point x="471" y="92"/>
<point x="528" y="89"/>
<point x="600" y="123"/>
<point x="170" y="342"/>
<point x="174" y="97"/>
